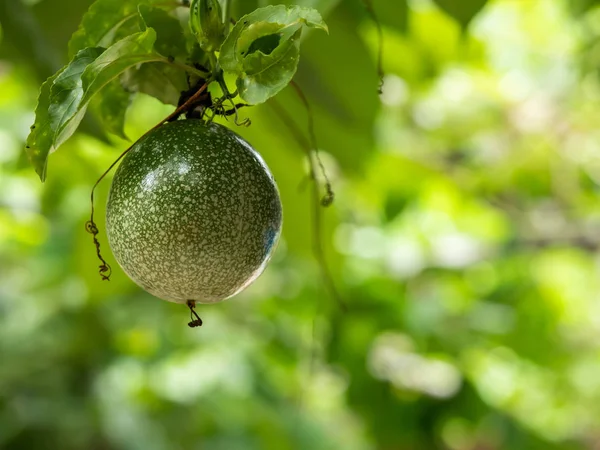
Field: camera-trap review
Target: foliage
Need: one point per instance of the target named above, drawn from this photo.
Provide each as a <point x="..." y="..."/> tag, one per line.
<point x="262" y="51"/>
<point x="464" y="240"/>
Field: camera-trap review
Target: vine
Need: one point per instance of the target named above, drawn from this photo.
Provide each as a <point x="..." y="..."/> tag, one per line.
<point x="317" y="200"/>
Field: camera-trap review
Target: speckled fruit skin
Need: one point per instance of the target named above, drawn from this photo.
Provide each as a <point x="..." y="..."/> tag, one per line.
<point x="193" y="213"/>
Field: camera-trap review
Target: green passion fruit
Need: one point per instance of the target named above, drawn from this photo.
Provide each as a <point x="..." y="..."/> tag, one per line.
<point x="193" y="213"/>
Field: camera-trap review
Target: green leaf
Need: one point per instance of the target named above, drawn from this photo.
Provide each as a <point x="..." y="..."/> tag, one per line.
<point x="57" y="104"/>
<point x="170" y="39"/>
<point x="135" y="49"/>
<point x="40" y="134"/>
<point x="111" y="107"/>
<point x="164" y="82"/>
<point x="161" y="81"/>
<point x="262" y="22"/>
<point x="463" y="11"/>
<point x="69" y="95"/>
<point x="107" y="21"/>
<point x="207" y="23"/>
<point x="127" y="19"/>
<point x="263" y="49"/>
<point x="266" y="75"/>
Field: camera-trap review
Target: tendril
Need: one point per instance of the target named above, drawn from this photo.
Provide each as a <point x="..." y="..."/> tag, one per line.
<point x="104" y="268"/>
<point x="329" y="196"/>
<point x="229" y="96"/>
<point x="318" y="248"/>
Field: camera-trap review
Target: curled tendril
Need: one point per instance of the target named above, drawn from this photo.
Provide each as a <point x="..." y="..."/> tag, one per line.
<point x="328" y="198"/>
<point x="196" y="320"/>
<point x="218" y="109"/>
<point x="234" y="112"/>
<point x="91" y="227"/>
<point x="104" y="269"/>
<point x="244" y="123"/>
<point x="308" y="145"/>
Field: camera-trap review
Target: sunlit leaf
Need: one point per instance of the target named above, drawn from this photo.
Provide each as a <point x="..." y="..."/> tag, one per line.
<point x="58" y="104"/>
<point x="265" y="75"/>
<point x="262" y="22"/>
<point x="133" y="50"/>
<point x="263" y="49"/>
<point x="40" y="135"/>
<point x="72" y="90"/>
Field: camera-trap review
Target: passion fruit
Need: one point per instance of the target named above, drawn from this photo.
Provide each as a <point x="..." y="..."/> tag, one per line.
<point x="193" y="213"/>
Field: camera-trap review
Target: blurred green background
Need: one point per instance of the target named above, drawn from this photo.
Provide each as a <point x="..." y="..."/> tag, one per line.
<point x="464" y="240"/>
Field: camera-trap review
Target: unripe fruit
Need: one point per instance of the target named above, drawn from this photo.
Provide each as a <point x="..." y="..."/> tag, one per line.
<point x="193" y="213"/>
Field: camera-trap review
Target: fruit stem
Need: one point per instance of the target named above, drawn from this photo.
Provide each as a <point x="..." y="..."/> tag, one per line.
<point x="197" y="321"/>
